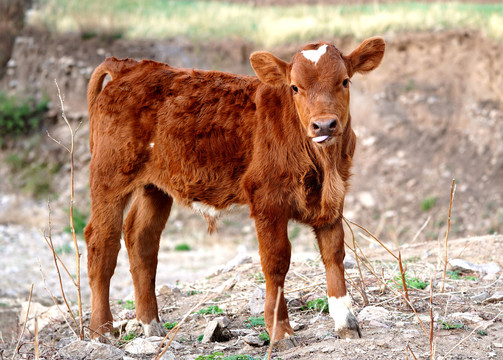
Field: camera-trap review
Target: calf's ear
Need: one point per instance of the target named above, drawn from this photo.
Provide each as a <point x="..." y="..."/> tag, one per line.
<point x="269" y="68"/>
<point x="367" y="56"/>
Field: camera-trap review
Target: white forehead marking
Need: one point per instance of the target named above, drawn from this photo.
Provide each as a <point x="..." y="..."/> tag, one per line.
<point x="315" y="55"/>
<point x="151" y="145"/>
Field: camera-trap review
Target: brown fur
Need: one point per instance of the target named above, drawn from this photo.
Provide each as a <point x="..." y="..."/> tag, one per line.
<point x="159" y="133"/>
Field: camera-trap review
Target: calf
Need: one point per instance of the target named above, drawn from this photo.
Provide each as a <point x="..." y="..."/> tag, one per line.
<point x="280" y="142"/>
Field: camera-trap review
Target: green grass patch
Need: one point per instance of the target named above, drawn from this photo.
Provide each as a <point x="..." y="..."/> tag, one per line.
<point x="264" y="25"/>
<point x="457" y="275"/>
<point x="265" y="337"/>
<point x="259" y="277"/>
<point x="170" y="325"/>
<point x="255" y="321"/>
<point x="428" y="203"/>
<point x="182" y="247"/>
<point x="194" y="292"/>
<point x="79" y="222"/>
<point x="450" y="326"/>
<point x="320" y="304"/>
<point x="127" y="338"/>
<point x="128" y="304"/>
<point x="210" y="310"/>
<point x="20" y="116"/>
<point x="412" y="282"/>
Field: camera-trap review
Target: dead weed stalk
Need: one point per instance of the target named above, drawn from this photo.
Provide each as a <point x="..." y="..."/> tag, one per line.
<point x="48" y="239"/>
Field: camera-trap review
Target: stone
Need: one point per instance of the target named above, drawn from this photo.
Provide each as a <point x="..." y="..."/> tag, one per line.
<point x="140" y="346"/>
<point x="480" y="297"/>
<point x="223" y="321"/>
<point x="45" y="315"/>
<point x="133" y="326"/>
<point x="463" y="265"/>
<point x="253" y="340"/>
<point x="349" y="262"/>
<point x="296" y="326"/>
<point x="239" y="259"/>
<point x="496" y="297"/>
<point x="168" y="355"/>
<point x="376" y="313"/>
<point x="214" y="332"/>
<point x="90" y="350"/>
<point x="257" y="302"/>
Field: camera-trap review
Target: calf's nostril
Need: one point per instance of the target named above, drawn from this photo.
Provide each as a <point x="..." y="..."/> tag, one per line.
<point x="332" y="125"/>
<point x="316" y="126"/>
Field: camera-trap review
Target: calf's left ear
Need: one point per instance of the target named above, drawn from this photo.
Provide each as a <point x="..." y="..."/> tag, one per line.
<point x="269" y="68"/>
<point x="367" y="56"/>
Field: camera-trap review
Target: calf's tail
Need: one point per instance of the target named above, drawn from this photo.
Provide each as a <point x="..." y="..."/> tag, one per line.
<point x="113" y="67"/>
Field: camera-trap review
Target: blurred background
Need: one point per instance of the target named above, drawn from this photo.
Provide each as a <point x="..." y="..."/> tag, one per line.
<point x="433" y="111"/>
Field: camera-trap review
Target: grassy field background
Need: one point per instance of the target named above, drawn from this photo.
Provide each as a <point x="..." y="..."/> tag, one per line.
<point x="264" y="25"/>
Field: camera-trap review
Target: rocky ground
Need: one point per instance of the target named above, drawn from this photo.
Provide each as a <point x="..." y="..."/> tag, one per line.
<point x="431" y="112"/>
<point x="467" y="316"/>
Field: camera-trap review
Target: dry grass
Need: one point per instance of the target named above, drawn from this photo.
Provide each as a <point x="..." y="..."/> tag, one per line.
<point x="266" y="26"/>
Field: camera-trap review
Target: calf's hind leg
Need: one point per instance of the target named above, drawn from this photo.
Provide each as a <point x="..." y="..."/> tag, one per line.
<point x="142" y="232"/>
<point x="103" y="234"/>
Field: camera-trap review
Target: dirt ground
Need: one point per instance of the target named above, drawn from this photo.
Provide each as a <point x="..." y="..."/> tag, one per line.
<point x="432" y="112"/>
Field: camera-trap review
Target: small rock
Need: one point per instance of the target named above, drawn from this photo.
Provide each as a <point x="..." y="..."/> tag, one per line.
<point x="496" y="297"/>
<point x="349" y="262"/>
<point x="253" y="340"/>
<point x="45" y="315"/>
<point x="375" y="313"/>
<point x="141" y="346"/>
<point x="175" y="345"/>
<point x="167" y="290"/>
<point x="239" y="259"/>
<point x="215" y="332"/>
<point x="223" y="321"/>
<point x="498" y="345"/>
<point x="296" y="326"/>
<point x="375" y="323"/>
<point x="241" y="332"/>
<point x="133" y="326"/>
<point x="463" y="265"/>
<point x="168" y="355"/>
<point x="468" y="317"/>
<point x="480" y="297"/>
<point x="90" y="350"/>
<point x="257" y="302"/>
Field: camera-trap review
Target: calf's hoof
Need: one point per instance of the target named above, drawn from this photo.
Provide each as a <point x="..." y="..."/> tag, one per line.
<point x="155" y="328"/>
<point x="286" y="343"/>
<point x="351" y="330"/>
<point x="283" y="330"/>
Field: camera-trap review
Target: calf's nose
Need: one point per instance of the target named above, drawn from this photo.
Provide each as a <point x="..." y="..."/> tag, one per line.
<point x="325" y="127"/>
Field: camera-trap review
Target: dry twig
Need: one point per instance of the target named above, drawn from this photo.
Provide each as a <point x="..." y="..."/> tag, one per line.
<point x="453" y="189"/>
<point x="276" y="307"/>
<point x="24" y="325"/>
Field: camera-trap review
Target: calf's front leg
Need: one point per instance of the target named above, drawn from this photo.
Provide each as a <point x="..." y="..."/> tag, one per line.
<point x="330" y="239"/>
<point x="275" y="252"/>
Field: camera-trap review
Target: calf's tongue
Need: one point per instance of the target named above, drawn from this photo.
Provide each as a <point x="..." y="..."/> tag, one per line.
<point x="319" y="139"/>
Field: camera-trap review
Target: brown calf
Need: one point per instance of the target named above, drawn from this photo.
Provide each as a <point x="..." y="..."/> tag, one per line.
<point x="280" y="142"/>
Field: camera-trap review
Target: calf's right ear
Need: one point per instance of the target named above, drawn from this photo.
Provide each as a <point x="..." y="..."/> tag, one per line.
<point x="269" y="69"/>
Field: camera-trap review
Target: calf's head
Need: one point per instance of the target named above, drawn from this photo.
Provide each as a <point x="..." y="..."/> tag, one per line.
<point x="319" y="77"/>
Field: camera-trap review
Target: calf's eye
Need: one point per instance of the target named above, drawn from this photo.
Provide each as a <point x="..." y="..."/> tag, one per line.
<point x="295" y="89"/>
<point x="345" y="83"/>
